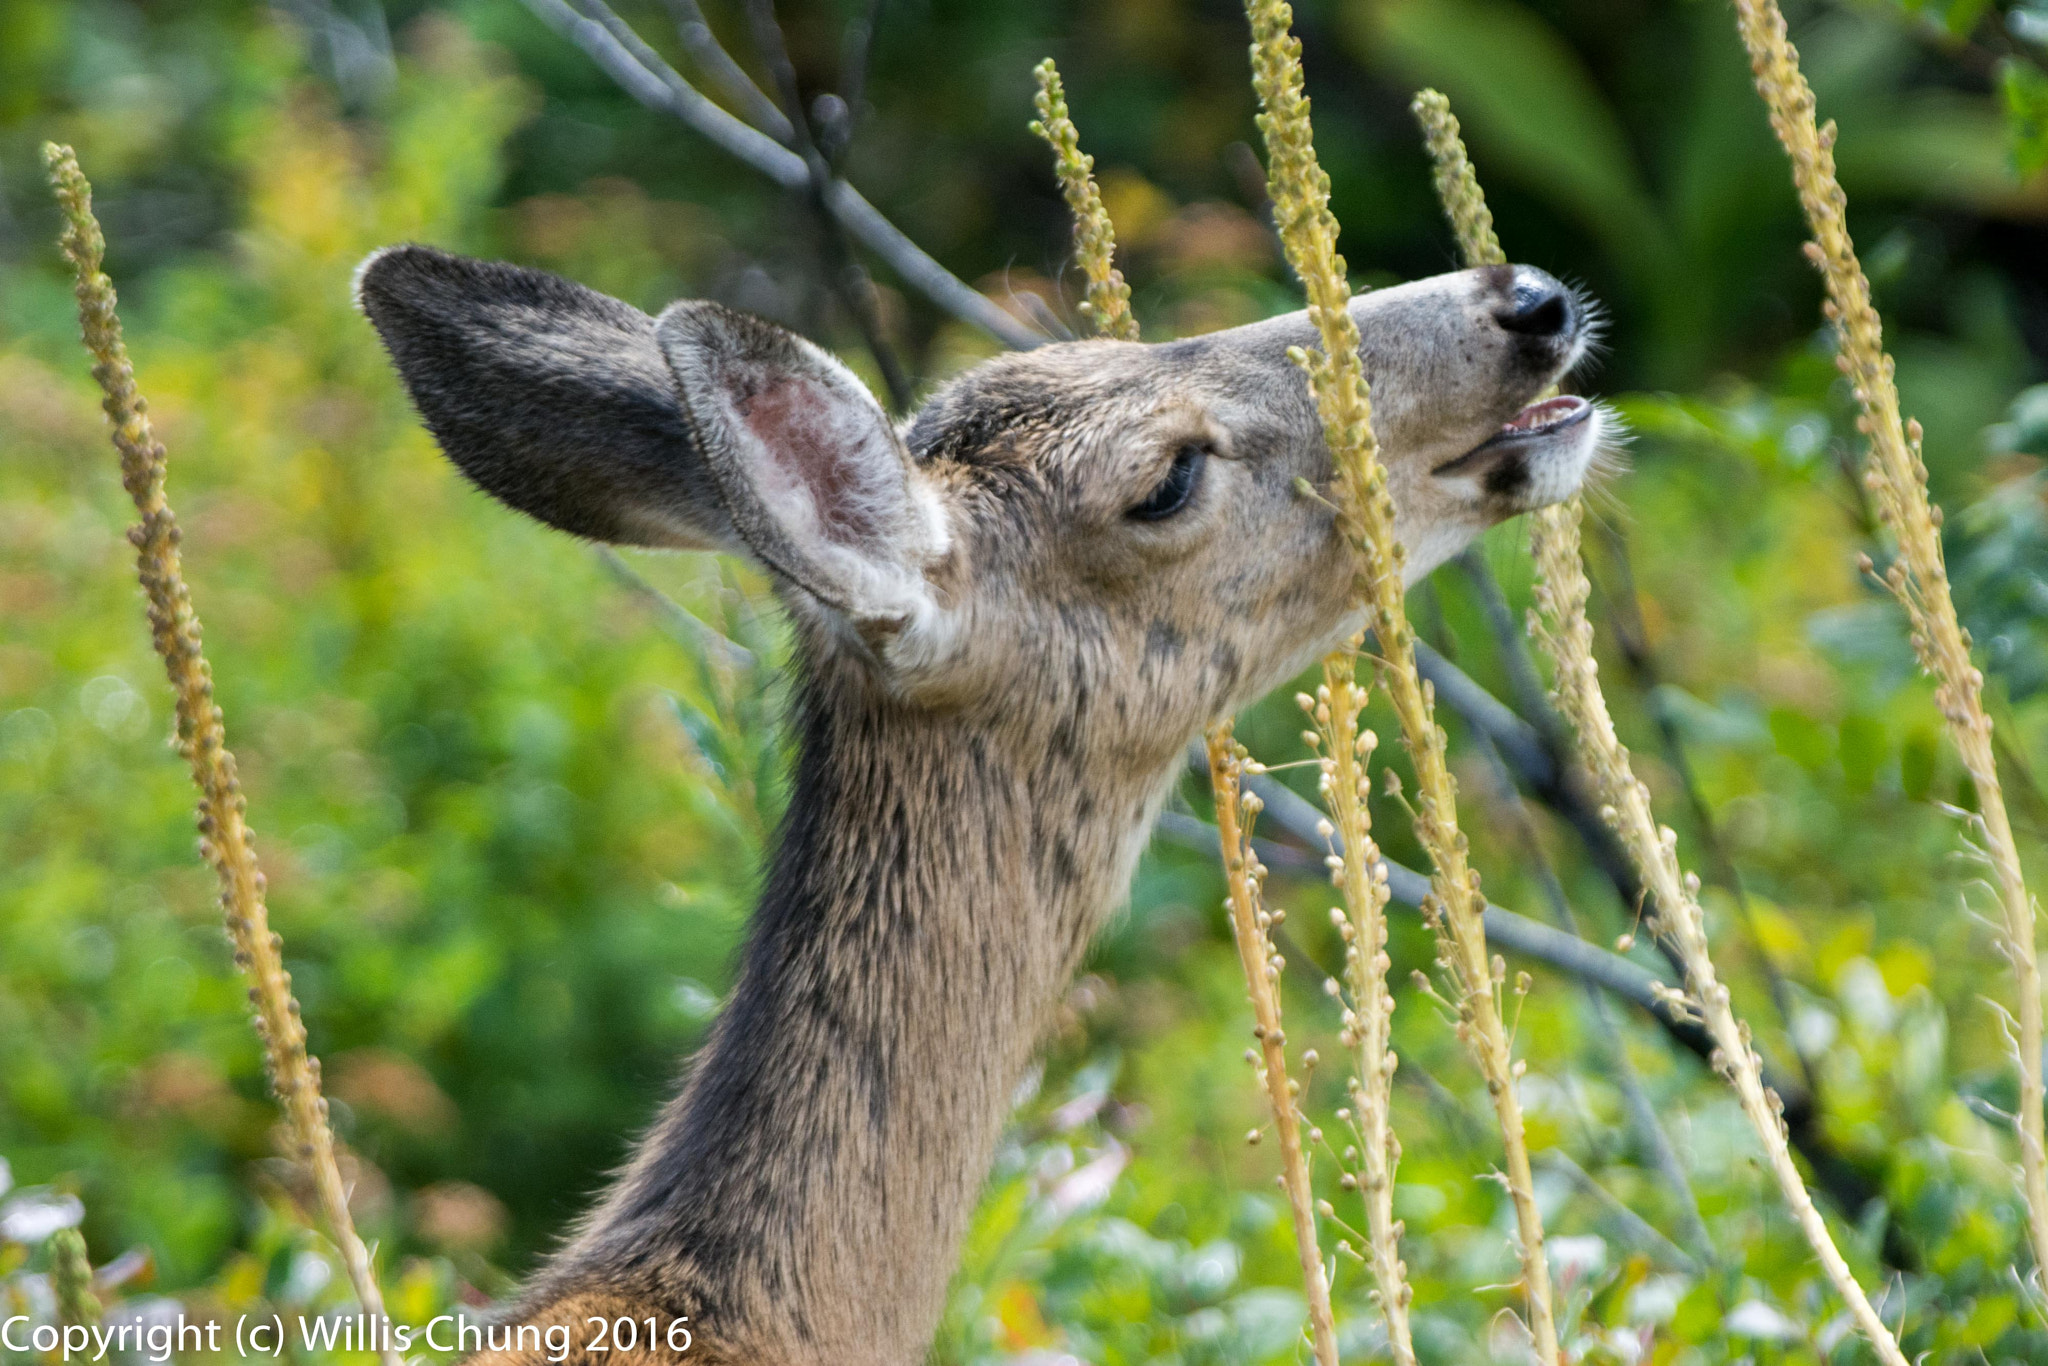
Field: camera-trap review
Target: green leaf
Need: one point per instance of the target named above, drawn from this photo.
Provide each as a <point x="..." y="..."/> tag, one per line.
<point x="1498" y="61"/>
<point x="2025" y="91"/>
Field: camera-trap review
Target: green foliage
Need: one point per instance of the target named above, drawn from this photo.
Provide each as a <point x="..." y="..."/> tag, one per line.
<point x="514" y="824"/>
<point x="2025" y="87"/>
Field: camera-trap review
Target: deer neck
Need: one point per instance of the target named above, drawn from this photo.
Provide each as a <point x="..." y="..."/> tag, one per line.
<point x="936" y="884"/>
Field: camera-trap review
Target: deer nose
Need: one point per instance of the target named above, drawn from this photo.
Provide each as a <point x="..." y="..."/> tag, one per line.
<point x="1537" y="306"/>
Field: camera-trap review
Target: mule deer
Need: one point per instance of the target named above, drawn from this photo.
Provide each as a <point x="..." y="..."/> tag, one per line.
<point x="1011" y="615"/>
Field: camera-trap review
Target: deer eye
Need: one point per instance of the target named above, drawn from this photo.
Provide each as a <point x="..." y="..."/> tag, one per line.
<point x="1176" y="489"/>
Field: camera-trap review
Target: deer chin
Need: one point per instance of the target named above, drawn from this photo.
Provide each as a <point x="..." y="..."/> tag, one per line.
<point x="1562" y="459"/>
<point x="1539" y="456"/>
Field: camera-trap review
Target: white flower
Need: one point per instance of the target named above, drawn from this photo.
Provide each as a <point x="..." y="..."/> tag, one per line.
<point x="38" y="1212"/>
<point x="1755" y="1319"/>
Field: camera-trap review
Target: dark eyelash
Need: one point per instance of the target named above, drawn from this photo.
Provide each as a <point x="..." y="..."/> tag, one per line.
<point x="1176" y="490"/>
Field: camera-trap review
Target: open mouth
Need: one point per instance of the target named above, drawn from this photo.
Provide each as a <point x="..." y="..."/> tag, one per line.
<point x="1547" y="417"/>
<point x="1541" y="419"/>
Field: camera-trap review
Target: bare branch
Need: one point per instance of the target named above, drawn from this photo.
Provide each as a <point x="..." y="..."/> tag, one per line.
<point x="727" y="74"/>
<point x="1538" y="763"/>
<point x="1516" y="933"/>
<point x="848" y="281"/>
<point x="857" y="51"/>
<point x="1642" y="1113"/>
<point x="916" y="268"/>
<point x="1526" y="687"/>
<point x="661" y="88"/>
<point x="774" y="50"/>
<point x="1519" y="742"/>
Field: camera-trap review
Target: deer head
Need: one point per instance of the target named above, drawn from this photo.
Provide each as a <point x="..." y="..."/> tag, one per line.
<point x="1107" y="518"/>
<point x="1012" y="613"/>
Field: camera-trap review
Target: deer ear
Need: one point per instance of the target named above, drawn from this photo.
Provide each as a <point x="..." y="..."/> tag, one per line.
<point x="551" y="397"/>
<point x="813" y="475"/>
<point x="708" y="430"/>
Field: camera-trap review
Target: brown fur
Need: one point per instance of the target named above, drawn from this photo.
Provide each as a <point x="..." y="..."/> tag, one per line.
<point x="1000" y="668"/>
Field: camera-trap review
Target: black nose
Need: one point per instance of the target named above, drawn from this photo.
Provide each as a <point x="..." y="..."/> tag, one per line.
<point x="1538" y="306"/>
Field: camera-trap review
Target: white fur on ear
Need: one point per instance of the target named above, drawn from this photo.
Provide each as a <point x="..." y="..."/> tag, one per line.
<point x="355" y="279"/>
<point x="818" y="481"/>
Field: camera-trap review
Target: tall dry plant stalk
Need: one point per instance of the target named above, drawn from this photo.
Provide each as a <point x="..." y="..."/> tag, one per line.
<point x="1250" y="922"/>
<point x="1344" y="750"/>
<point x="1108" y="303"/>
<point x="1108" y="308"/>
<point x="1308" y="232"/>
<point x="1561" y="626"/>
<point x="224" y="838"/>
<point x="1918" y="577"/>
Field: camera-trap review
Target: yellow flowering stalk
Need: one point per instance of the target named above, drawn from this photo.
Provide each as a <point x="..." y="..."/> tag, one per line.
<point x="1108" y="308"/>
<point x="1457" y="184"/>
<point x="1918" y="578"/>
<point x="1249" y="923"/>
<point x="1561" y="626"/>
<point x="1308" y="232"/>
<point x="174" y="627"/>
<point x="1344" y="752"/>
<point x="71" y="1279"/>
<point x="1108" y="302"/>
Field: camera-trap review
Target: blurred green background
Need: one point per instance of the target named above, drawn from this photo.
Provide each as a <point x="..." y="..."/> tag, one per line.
<point x="513" y="822"/>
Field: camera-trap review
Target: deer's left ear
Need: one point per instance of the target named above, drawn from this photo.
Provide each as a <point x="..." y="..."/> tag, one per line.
<point x="815" y="478"/>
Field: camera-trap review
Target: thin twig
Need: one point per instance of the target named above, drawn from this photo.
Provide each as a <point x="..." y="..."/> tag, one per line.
<point x="1918" y="576"/>
<point x="1640" y="1230"/>
<point x="774" y="49"/>
<point x="658" y="86"/>
<point x="224" y="839"/>
<point x="856" y="52"/>
<point x="1540" y="763"/>
<point x="1533" y="739"/>
<point x="1336" y="376"/>
<point x="691" y="631"/>
<point x="732" y="80"/>
<point x="1531" y="698"/>
<point x="1518" y="934"/>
